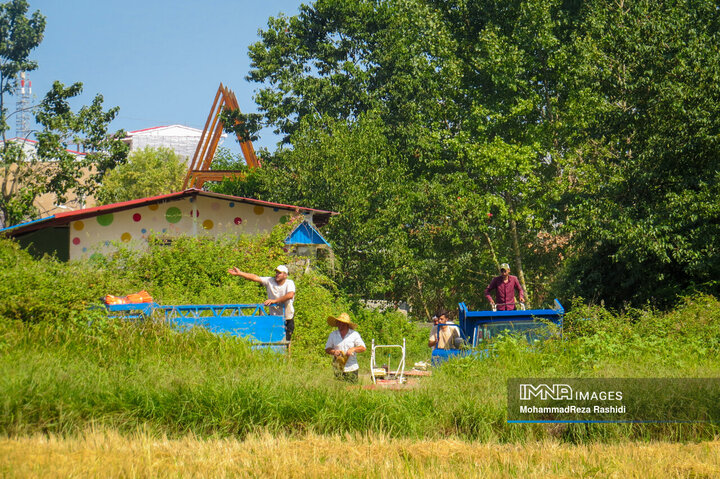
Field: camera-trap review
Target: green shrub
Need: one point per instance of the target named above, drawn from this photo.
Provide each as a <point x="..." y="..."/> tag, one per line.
<point x="190" y="270"/>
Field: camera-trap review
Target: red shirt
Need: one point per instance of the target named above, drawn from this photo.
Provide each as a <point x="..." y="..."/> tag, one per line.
<point x="505" y="292"/>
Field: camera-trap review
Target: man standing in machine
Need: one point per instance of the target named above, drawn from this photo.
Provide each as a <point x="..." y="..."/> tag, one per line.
<point x="280" y="292"/>
<point x="504" y="286"/>
<point x="442" y="335"/>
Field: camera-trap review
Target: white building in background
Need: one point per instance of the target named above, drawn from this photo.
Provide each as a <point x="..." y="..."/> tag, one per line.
<point x="182" y="139"/>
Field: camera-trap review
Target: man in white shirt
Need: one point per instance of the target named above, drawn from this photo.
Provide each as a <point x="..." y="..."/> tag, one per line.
<point x="343" y="344"/>
<point x="280" y="292"/>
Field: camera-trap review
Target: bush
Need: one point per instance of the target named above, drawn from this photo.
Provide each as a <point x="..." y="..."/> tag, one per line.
<point x="190" y="270"/>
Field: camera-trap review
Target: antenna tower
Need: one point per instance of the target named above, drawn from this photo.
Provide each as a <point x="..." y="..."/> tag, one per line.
<point x="22" y="119"/>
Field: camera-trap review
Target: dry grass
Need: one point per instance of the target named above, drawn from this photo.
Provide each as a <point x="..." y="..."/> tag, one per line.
<point x="108" y="454"/>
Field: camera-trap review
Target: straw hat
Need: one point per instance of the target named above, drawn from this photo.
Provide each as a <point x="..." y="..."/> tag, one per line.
<point x="341" y="318"/>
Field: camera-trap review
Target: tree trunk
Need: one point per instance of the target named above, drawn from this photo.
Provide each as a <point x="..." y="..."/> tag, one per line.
<point x="517" y="255"/>
<point x="422" y="298"/>
<point x="492" y="251"/>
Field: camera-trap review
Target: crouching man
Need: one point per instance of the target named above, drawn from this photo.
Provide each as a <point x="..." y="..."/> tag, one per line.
<point x="343" y="344"/>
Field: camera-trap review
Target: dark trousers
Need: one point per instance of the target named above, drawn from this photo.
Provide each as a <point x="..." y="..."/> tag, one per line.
<point x="351" y="377"/>
<point x="289" y="329"/>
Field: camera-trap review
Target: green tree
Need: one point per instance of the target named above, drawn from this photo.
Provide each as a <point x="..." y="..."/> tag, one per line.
<point x="469" y="96"/>
<point x="51" y="168"/>
<point x="510" y="110"/>
<point x="590" y="121"/>
<point x="147" y="172"/>
<point x="645" y="212"/>
<point x="397" y="238"/>
<point x="225" y="159"/>
<point x="20" y="35"/>
<point x="86" y="129"/>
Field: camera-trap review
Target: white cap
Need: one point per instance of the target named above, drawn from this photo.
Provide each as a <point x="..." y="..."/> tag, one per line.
<point x="282" y="268"/>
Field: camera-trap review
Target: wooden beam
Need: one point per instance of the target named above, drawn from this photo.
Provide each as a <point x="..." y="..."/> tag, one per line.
<point x="195" y="161"/>
<point x="207" y="146"/>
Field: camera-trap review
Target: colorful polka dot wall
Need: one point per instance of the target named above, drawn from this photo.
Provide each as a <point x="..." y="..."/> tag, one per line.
<point x="202" y="216"/>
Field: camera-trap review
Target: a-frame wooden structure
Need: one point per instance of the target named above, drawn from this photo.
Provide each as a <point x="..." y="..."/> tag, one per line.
<point x="199" y="171"/>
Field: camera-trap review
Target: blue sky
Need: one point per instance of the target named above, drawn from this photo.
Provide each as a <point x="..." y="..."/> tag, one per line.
<point x="160" y="61"/>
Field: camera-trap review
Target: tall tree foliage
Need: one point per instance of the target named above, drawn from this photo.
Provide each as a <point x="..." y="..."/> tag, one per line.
<point x="394" y="238"/>
<point x="646" y="214"/>
<point x="342" y="58"/>
<point x="88" y="130"/>
<point x="51" y="168"/>
<point x="147" y="172"/>
<point x="467" y="106"/>
<point x="514" y="126"/>
<point x="19" y="35"/>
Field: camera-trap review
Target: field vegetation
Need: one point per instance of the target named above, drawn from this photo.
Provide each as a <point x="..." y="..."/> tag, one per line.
<point x="108" y="454"/>
<point x="64" y="365"/>
<point x="574" y="140"/>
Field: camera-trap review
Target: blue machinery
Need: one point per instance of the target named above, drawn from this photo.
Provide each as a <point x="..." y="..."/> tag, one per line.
<point x="250" y="321"/>
<point x="478" y="326"/>
<point x="253" y="322"/>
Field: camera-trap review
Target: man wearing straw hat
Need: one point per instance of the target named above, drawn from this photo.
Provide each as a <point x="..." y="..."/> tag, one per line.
<point x="343" y="344"/>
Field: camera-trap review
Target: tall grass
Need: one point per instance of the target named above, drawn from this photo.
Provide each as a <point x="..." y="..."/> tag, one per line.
<point x="61" y="377"/>
<point x="64" y="366"/>
<point x="190" y="271"/>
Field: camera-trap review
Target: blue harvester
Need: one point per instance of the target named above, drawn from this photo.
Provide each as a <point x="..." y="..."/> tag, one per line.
<point x="478" y="327"/>
<point x="250" y="321"/>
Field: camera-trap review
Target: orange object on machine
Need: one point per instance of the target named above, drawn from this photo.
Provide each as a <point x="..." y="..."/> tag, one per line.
<point x="110" y="299"/>
<point x="139" y="297"/>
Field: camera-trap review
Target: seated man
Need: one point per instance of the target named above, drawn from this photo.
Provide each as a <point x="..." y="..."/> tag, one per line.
<point x="443" y="336"/>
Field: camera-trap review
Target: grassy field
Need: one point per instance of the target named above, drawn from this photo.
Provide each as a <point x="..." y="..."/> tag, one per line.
<point x="108" y="454"/>
<point x="59" y="377"/>
<point x="166" y="402"/>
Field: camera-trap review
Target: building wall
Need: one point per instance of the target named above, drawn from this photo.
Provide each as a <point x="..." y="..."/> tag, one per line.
<point x="198" y="216"/>
<point x="52" y="241"/>
<point x="182" y="139"/>
<point x="184" y="146"/>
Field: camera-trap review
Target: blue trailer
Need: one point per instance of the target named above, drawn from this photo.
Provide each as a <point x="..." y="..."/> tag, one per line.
<point x="249" y="321"/>
<point x="477" y="327"/>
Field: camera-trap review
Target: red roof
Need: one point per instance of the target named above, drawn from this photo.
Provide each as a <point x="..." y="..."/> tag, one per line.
<point x="147" y="129"/>
<point x="129" y="133"/>
<point x="321" y="216"/>
<point x="27" y="140"/>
